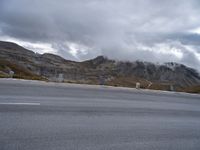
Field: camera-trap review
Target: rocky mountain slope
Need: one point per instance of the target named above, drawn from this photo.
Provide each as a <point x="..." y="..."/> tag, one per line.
<point x="101" y="70"/>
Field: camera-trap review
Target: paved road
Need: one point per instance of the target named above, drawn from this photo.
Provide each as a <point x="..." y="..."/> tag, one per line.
<point x="48" y="116"/>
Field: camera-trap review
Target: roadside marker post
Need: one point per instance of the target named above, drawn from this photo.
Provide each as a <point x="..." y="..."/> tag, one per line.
<point x="11" y="73"/>
<point x="137" y="85"/>
<point x="61" y="77"/>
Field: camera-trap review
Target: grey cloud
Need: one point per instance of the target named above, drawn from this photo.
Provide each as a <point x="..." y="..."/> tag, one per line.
<point x="108" y="27"/>
<point x="187" y="39"/>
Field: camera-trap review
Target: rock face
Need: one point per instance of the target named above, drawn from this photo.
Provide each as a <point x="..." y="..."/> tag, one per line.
<point x="26" y="63"/>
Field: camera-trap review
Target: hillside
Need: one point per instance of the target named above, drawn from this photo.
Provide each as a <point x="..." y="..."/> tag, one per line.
<point x="100" y="70"/>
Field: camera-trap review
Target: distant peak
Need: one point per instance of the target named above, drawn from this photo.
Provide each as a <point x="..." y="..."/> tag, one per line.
<point x="172" y="65"/>
<point x="101" y="57"/>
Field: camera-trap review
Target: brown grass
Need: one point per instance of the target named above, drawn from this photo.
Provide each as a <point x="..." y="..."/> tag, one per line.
<point x="193" y="89"/>
<point x="160" y="86"/>
<point x="127" y="82"/>
<point x="20" y="72"/>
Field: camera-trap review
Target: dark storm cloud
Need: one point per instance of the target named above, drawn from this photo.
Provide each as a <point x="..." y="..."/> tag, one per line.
<point x="152" y="30"/>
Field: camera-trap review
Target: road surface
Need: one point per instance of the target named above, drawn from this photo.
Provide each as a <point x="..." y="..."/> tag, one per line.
<point x="49" y="116"/>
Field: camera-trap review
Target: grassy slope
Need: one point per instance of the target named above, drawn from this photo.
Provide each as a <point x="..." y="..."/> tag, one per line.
<point x="127" y="82"/>
<point x="20" y="72"/>
<point x="194" y="89"/>
<point x="131" y="82"/>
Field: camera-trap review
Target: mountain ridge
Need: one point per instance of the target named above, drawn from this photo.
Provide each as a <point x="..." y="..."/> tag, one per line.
<point x="100" y="70"/>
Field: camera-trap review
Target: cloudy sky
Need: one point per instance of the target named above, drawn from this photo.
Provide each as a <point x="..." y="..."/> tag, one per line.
<point x="147" y="30"/>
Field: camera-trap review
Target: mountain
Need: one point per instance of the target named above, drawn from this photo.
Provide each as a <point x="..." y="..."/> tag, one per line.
<point x="100" y="70"/>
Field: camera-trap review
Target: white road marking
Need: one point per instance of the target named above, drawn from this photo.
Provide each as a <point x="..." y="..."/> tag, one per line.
<point x="35" y="104"/>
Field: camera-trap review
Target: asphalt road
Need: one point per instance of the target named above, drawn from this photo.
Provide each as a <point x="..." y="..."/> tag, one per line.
<point x="49" y="116"/>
